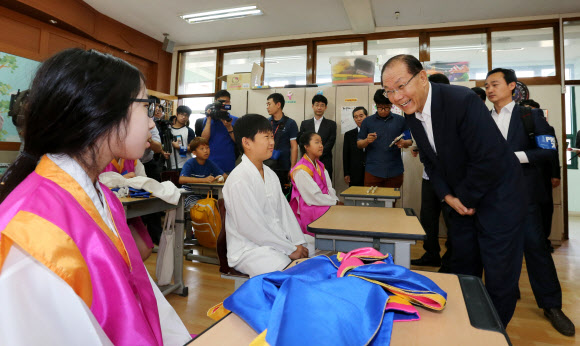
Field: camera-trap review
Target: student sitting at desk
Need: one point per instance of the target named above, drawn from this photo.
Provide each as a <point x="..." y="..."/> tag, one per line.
<point x="199" y="169"/>
<point x="262" y="233"/>
<point x="70" y="273"/>
<point x="312" y="192"/>
<point x="131" y="169"/>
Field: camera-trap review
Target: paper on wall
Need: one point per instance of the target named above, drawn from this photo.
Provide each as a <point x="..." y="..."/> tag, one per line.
<point x="346" y="121"/>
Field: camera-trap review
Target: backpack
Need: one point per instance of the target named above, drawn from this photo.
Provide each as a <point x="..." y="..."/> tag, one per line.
<point x="528" y="122"/>
<point x="206" y="221"/>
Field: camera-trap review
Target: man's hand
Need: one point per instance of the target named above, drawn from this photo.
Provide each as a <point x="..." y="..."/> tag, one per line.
<point x="347" y="179"/>
<point x="166" y="155"/>
<point x="415" y="153"/>
<point x="129" y="175"/>
<point x="371" y="137"/>
<point x="228" y="125"/>
<point x="456" y="204"/>
<point x="555" y="183"/>
<point x="404" y="143"/>
<point x="210" y="179"/>
<point x="175" y="144"/>
<point x="301" y="252"/>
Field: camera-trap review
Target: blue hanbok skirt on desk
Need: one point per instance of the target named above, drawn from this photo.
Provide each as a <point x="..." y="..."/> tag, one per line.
<point x="345" y="299"/>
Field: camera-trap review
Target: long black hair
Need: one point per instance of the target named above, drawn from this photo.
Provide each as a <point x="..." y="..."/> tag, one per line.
<point x="76" y="98"/>
<point x="304" y="140"/>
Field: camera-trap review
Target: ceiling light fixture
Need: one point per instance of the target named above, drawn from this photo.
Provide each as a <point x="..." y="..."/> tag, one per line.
<point x="229" y="13"/>
<point x="52" y="21"/>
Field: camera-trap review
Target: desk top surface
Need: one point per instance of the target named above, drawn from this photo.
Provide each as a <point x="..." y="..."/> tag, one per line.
<point x="215" y="185"/>
<point x="380" y="192"/>
<point x="368" y="222"/>
<point x="451" y="326"/>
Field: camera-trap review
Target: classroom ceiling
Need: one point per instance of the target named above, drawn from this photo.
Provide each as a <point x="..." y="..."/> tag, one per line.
<point x="308" y="17"/>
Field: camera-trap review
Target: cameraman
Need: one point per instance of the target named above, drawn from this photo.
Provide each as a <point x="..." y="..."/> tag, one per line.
<point x="219" y="132"/>
<point x="182" y="136"/>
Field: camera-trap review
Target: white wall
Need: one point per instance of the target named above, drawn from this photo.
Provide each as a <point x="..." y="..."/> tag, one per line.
<point x="574" y="174"/>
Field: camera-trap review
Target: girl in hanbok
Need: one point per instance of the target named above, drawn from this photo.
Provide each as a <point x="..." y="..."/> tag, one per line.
<point x="70" y="273"/>
<point x="312" y="192"/>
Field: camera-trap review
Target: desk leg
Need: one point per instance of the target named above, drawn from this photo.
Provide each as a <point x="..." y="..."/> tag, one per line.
<point x="178" y="287"/>
<point x="402" y="254"/>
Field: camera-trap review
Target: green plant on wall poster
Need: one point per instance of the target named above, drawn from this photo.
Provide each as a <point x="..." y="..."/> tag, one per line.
<point x="16" y="73"/>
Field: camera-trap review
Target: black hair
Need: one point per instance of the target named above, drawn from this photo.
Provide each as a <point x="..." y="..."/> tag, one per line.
<point x="480" y="92"/>
<point x="413" y="64"/>
<point x="304" y="140"/>
<point x="439" y="78"/>
<point x="155" y="98"/>
<point x="222" y="93"/>
<point x="380" y="98"/>
<point x="277" y="98"/>
<point x="172" y="119"/>
<point x="509" y="75"/>
<point x="248" y="126"/>
<point x="184" y="109"/>
<point x="77" y="98"/>
<point x="530" y="103"/>
<point x="358" y="109"/>
<point x="319" y="98"/>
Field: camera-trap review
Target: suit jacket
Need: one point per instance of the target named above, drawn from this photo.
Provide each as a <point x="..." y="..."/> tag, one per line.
<point x="327" y="132"/>
<point x="353" y="159"/>
<point x="473" y="161"/>
<point x="518" y="140"/>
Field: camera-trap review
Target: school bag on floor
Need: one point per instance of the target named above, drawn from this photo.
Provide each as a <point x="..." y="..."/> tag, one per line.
<point x="206" y="221"/>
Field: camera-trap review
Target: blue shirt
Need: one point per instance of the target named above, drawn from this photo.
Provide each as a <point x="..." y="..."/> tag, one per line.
<point x="222" y="149"/>
<point x="284" y="130"/>
<point x="193" y="169"/>
<point x="382" y="161"/>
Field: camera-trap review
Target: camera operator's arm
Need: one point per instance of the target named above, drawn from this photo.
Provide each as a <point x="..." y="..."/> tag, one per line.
<point x="206" y="133"/>
<point x="155" y="141"/>
<point x="230" y="128"/>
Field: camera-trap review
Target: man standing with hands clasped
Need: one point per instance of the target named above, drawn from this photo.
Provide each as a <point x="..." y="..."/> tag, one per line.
<point x="472" y="169"/>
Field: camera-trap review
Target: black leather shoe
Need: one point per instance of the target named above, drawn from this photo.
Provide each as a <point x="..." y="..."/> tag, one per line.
<point x="426" y="262"/>
<point x="560" y="321"/>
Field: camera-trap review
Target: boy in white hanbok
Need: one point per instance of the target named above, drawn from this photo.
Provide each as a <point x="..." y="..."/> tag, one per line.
<point x="263" y="234"/>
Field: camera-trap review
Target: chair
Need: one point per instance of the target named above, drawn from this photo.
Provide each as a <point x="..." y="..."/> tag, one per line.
<point x="172" y="176"/>
<point x="222" y="251"/>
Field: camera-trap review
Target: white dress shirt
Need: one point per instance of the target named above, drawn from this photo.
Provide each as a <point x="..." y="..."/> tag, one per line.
<point x="317" y="123"/>
<point x="38" y="307"/>
<point x="257" y="213"/>
<point x="425" y="118"/>
<point x="502" y="120"/>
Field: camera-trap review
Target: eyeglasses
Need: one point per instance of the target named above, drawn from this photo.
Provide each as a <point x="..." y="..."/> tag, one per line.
<point x="152" y="106"/>
<point x="391" y="93"/>
<point x="384" y="108"/>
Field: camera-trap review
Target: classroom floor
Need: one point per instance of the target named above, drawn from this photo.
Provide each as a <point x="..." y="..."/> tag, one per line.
<point x="528" y="326"/>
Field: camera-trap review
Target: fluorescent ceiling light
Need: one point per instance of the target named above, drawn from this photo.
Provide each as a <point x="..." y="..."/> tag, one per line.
<point x="229" y="13"/>
<point x="459" y="48"/>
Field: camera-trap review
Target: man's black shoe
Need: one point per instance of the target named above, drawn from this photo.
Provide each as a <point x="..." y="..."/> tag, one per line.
<point x="560" y="321"/>
<point x="426" y="262"/>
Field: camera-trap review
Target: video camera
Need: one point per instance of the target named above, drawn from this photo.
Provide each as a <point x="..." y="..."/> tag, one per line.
<point x="219" y="111"/>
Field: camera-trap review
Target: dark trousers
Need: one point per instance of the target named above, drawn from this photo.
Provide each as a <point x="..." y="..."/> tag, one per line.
<point x="430" y="210"/>
<point x="547" y="210"/>
<point x="371" y="180"/>
<point x="284" y="181"/>
<point x="153" y="221"/>
<point x="497" y="251"/>
<point x="539" y="262"/>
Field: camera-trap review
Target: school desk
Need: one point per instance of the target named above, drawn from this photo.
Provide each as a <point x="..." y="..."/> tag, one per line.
<point x="142" y="206"/>
<point x="364" y="196"/>
<point x="468" y="319"/>
<point x="204" y="188"/>
<point x="389" y="230"/>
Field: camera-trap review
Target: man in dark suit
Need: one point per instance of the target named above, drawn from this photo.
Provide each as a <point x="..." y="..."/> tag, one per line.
<point x="353" y="158"/>
<point x="324" y="127"/>
<point x="533" y="151"/>
<point x="473" y="170"/>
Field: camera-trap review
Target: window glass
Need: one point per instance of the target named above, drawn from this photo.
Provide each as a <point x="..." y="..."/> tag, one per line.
<point x="285" y="65"/>
<point x="462" y="48"/>
<point x="572" y="49"/>
<point x="386" y="49"/>
<point x="197" y="72"/>
<point x="528" y="52"/>
<point x="326" y="51"/>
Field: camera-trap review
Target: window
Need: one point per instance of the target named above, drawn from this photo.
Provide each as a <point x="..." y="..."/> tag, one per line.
<point x="572" y="50"/>
<point x="286" y="65"/>
<point x="529" y="52"/>
<point x="572" y="106"/>
<point x="235" y="62"/>
<point x="197" y="72"/>
<point x="325" y="52"/>
<point x="197" y="105"/>
<point x="386" y="49"/>
<point x="459" y="48"/>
